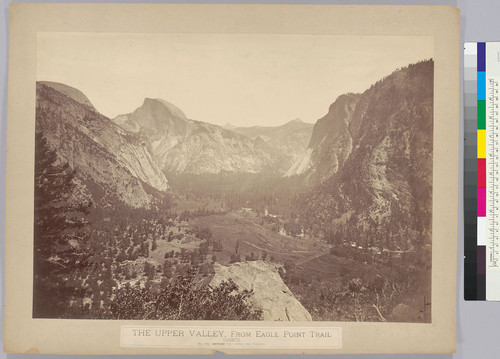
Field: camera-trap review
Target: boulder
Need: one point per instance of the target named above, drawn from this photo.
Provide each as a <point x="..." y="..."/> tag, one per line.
<point x="269" y="292"/>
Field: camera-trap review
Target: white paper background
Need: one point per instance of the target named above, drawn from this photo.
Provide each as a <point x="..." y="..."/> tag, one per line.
<point x="477" y="322"/>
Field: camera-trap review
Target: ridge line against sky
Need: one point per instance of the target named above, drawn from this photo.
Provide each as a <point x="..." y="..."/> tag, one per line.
<point x="244" y="80"/>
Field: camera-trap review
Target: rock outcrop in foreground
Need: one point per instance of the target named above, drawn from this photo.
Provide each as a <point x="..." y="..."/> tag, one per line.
<point x="269" y="292"/>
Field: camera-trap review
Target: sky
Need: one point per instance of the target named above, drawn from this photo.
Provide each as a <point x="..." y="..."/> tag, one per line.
<point x="240" y="79"/>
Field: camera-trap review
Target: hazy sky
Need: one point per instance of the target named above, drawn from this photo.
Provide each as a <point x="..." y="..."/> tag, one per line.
<point x="244" y="80"/>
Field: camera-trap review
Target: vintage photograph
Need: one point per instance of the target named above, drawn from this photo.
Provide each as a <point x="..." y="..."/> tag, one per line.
<point x="249" y="177"/>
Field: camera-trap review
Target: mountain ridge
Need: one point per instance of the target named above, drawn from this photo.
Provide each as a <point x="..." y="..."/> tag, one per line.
<point x="181" y="145"/>
<point x="69" y="91"/>
<point x="385" y="180"/>
<point x="288" y="140"/>
<point x="99" y="150"/>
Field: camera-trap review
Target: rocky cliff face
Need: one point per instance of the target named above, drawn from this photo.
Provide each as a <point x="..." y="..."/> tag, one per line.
<point x="180" y="145"/>
<point x="289" y="140"/>
<point x="330" y="144"/>
<point x="373" y="154"/>
<point x="109" y="161"/>
<point x="269" y="292"/>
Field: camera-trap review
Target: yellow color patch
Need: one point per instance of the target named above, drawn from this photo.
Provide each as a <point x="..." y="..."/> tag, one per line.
<point x="481" y="143"/>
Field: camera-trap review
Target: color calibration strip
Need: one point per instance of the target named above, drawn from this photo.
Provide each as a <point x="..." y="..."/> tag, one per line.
<point x="474" y="286"/>
<point x="482" y="177"/>
<point x="492" y="119"/>
<point x="481" y="169"/>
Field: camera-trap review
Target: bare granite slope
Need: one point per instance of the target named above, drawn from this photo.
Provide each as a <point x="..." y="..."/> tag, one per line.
<point x="269" y="292"/>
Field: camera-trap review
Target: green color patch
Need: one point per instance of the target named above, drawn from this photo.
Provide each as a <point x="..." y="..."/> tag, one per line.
<point x="481" y="115"/>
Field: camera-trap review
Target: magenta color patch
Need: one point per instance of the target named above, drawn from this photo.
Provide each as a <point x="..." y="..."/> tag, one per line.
<point x="481" y="202"/>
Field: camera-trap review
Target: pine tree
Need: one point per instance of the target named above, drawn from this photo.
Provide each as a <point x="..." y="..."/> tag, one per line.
<point x="57" y="220"/>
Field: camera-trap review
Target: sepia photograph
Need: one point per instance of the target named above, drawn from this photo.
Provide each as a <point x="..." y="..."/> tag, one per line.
<point x="244" y="179"/>
<point x="233" y="177"/>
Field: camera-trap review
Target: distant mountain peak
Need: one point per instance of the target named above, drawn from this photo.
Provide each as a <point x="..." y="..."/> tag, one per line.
<point x="158" y="102"/>
<point x="180" y="145"/>
<point x="69" y="91"/>
<point x="229" y="126"/>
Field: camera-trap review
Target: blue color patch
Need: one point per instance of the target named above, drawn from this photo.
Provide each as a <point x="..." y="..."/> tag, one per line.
<point x="481" y="86"/>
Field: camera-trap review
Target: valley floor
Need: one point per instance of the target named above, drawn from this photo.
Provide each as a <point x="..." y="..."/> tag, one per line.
<point x="154" y="252"/>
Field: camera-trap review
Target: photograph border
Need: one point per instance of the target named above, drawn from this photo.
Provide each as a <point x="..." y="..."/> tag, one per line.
<point x="28" y="335"/>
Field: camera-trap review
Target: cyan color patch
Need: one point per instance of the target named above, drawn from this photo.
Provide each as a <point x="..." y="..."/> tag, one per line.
<point x="481" y="86"/>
